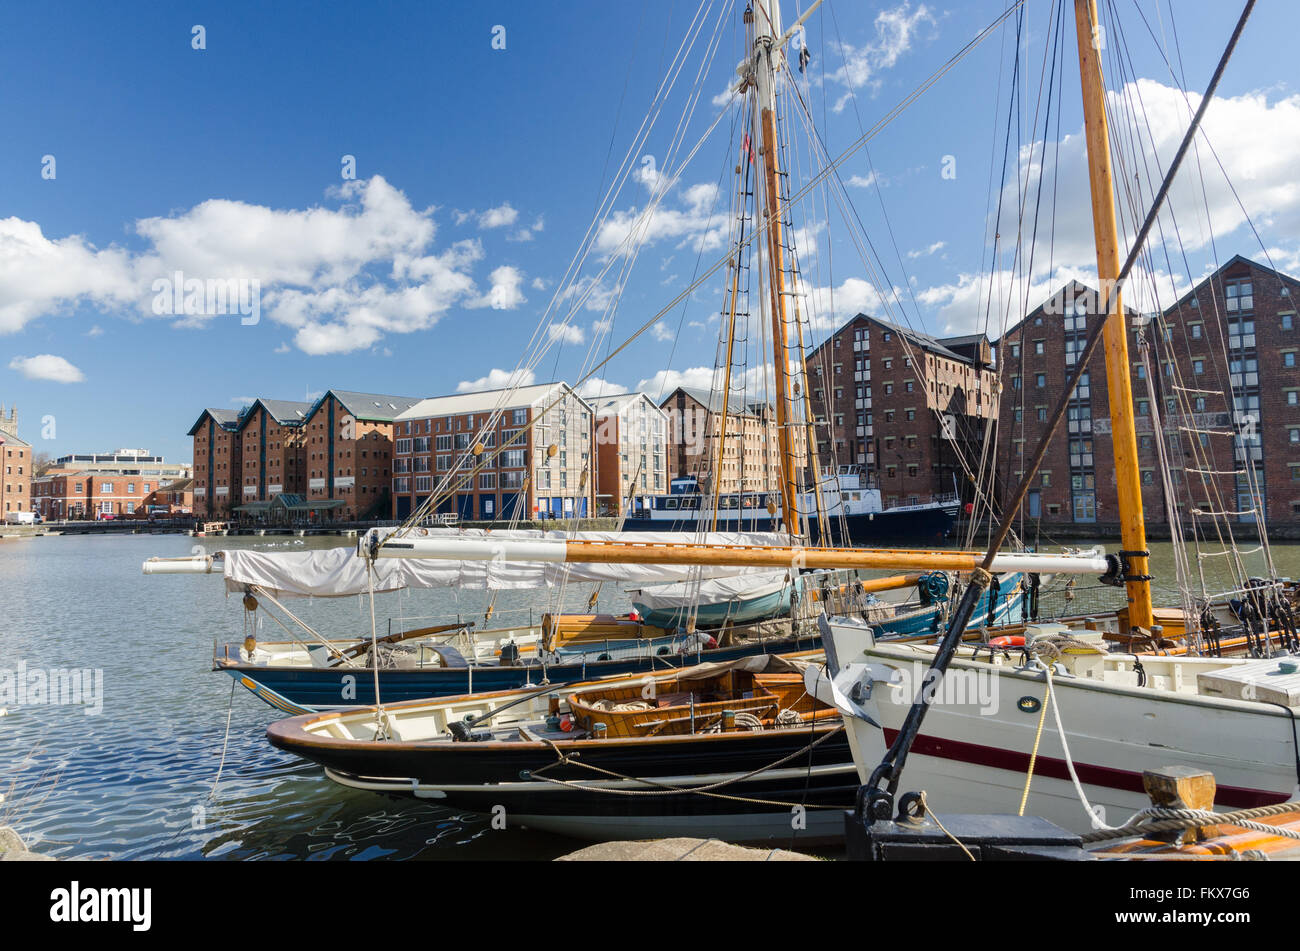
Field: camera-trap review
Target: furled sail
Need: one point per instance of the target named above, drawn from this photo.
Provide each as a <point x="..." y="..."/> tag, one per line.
<point x="337" y="572"/>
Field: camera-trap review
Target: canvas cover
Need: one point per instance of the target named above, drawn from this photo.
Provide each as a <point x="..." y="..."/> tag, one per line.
<point x="340" y="572"/>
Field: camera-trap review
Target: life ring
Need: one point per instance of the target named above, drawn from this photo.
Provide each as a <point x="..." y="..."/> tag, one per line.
<point x="1008" y="640"/>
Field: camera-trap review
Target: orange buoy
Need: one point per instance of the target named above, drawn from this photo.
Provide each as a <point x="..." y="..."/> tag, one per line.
<point x="1008" y="640"/>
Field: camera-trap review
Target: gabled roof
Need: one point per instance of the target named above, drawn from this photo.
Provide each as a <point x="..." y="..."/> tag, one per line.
<point x="736" y="404"/>
<point x="940" y="346"/>
<point x="486" y="401"/>
<point x="227" y="419"/>
<point x="612" y="405"/>
<point x="1237" y="259"/>
<point x="284" y="412"/>
<point x="377" y="407"/>
<point x="1074" y="288"/>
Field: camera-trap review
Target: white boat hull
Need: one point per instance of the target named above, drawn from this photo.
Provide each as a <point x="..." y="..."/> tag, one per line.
<point x="973" y="750"/>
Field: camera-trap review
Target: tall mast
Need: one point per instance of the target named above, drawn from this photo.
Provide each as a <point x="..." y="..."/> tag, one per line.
<point x="766" y="25"/>
<point x="1115" y="337"/>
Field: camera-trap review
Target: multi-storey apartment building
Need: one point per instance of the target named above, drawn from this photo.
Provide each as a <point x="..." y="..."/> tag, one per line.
<point x="905" y="405"/>
<point x="1231" y="440"/>
<point x="539" y="440"/>
<point x="631" y="463"/>
<point x="218" y="460"/>
<point x="16" y="489"/>
<point x="750" y="461"/>
<point x="348" y="441"/>
<point x="273" y="449"/>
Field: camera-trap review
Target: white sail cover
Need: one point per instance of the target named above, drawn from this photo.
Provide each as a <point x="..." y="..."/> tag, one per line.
<point x="340" y="572"/>
<point x="712" y="591"/>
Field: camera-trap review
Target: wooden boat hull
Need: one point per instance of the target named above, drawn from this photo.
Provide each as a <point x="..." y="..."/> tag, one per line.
<point x="489" y="777"/>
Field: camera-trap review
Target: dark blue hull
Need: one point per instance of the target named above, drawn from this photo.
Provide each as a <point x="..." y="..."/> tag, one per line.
<point x="298" y="690"/>
<point x="917" y="528"/>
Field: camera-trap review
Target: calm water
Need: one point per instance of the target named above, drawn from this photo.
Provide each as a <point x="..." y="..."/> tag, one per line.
<point x="137" y="780"/>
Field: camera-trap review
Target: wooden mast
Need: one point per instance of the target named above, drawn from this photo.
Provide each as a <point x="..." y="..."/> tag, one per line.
<point x="766" y="23"/>
<point x="1128" y="482"/>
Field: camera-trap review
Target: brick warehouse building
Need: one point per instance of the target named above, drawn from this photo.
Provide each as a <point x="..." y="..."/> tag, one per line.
<point x="16" y="489"/>
<point x="1214" y="417"/>
<point x="273" y="450"/>
<point x="902" y="404"/>
<point x="751" y="460"/>
<point x="218" y="460"/>
<point x="349" y="449"/>
<point x="436" y="436"/>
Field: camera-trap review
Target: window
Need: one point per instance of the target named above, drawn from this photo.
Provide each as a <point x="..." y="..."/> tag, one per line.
<point x="1196" y="331"/>
<point x="1240" y="296"/>
<point x="908" y="386"/>
<point x="1015" y="382"/>
<point x="1040" y="347"/>
<point x="1294" y="435"/>
<point x="1287" y="320"/>
<point x="1198" y="367"/>
<point x="1042" y="414"/>
<point x="1292" y="399"/>
<point x="910" y="414"/>
<point x="1015" y="350"/>
<point x="1288" y="358"/>
<point x="519" y="417"/>
<point x="1040" y="380"/>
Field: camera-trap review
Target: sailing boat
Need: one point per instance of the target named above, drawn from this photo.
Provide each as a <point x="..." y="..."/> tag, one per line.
<point x="738" y="750"/>
<point x="968" y="721"/>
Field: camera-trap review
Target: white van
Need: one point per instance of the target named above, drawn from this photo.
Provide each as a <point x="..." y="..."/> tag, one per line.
<point x="20" y="518"/>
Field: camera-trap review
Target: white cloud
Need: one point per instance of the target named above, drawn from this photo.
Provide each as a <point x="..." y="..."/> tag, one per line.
<point x="40" y="276"/>
<point x="505" y="292"/>
<point x="926" y="252"/>
<point x="699" y="225"/>
<point x="95" y="331"/>
<point x="596" y="388"/>
<point x="283" y="348"/>
<point x="501" y="216"/>
<point x="895" y="31"/>
<point x="341" y="276"/>
<point x="662" y="332"/>
<point x="46" y="366"/>
<point x="566" y="333"/>
<point x="1256" y="140"/>
<point x="861" y="181"/>
<point x="497" y="380"/>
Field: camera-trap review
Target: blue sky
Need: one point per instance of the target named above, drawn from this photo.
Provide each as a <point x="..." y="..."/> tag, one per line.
<point x="478" y="171"/>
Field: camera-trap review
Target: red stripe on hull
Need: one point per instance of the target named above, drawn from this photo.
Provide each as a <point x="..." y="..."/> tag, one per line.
<point x="1103" y="776"/>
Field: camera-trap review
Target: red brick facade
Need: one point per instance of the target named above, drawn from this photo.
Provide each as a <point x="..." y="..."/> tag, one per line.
<point x="1219" y="368"/>
<point x="901" y="404"/>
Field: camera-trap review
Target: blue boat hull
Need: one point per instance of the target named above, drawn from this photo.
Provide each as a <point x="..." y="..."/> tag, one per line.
<point x="298" y="690"/>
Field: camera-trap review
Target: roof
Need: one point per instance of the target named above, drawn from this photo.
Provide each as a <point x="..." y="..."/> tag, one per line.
<point x="610" y="405"/>
<point x="9" y="439"/>
<point x="736" y="406"/>
<point x="225" y="418"/>
<point x="485" y="401"/>
<point x="284" y="412"/>
<point x="1072" y="285"/>
<point x="368" y="406"/>
<point x="1235" y="260"/>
